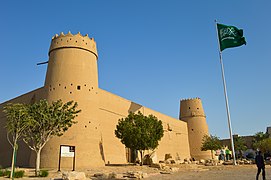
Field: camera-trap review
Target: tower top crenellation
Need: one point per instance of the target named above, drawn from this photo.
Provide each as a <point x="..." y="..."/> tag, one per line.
<point x="191" y="99"/>
<point x="73" y="41"/>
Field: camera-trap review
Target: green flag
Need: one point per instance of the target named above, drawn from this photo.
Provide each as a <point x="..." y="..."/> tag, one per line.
<point x="229" y="36"/>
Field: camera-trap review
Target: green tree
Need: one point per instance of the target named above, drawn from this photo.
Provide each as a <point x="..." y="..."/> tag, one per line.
<point x="48" y="120"/>
<point x="264" y="145"/>
<point x="259" y="136"/>
<point x="239" y="145"/>
<point x="139" y="132"/>
<point x="17" y="116"/>
<point x="210" y="142"/>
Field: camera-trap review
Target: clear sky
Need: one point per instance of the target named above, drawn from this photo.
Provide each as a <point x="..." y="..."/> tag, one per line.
<point x="153" y="52"/>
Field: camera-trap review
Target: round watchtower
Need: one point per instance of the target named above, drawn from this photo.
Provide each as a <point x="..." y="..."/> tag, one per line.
<point x="72" y="75"/>
<point x="191" y="111"/>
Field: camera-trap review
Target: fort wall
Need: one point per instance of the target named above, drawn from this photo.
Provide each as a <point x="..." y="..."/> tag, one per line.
<point x="72" y="74"/>
<point x="113" y="107"/>
<point x="191" y="111"/>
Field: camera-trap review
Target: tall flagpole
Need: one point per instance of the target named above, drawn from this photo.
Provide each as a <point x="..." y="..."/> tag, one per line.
<point x="226" y="98"/>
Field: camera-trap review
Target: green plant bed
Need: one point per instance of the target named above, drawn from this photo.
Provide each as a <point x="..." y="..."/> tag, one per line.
<point x="6" y="173"/>
<point x="43" y="173"/>
<point x="17" y="174"/>
<point x="2" y="172"/>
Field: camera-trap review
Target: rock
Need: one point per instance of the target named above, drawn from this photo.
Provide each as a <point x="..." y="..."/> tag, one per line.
<point x="137" y="175"/>
<point x="114" y="175"/>
<point x="179" y="161"/>
<point x="172" y="161"/>
<point x="168" y="156"/>
<point x="101" y="175"/>
<point x="167" y="161"/>
<point x="249" y="162"/>
<point x="240" y="162"/>
<point x="163" y="165"/>
<point x="166" y="168"/>
<point x="202" y="161"/>
<point x="145" y="175"/>
<point x="73" y="175"/>
<point x="209" y="164"/>
<point x="174" y="169"/>
<point x="157" y="165"/>
<point x="165" y="172"/>
<point x="195" y="162"/>
<point x="228" y="163"/>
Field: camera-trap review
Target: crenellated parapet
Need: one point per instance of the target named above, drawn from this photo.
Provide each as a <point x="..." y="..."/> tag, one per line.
<point x="192" y="112"/>
<point x="73" y="41"/>
<point x="191" y="107"/>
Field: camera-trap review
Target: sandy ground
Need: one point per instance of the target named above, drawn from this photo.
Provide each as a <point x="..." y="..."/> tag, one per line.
<point x="186" y="172"/>
<point x="229" y="172"/>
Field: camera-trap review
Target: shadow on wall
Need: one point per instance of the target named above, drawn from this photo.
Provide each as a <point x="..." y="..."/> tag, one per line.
<point x="134" y="107"/>
<point x="102" y="150"/>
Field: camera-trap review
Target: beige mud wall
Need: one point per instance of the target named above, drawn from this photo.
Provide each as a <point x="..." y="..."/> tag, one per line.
<point x="113" y="107"/>
<point x="192" y="112"/>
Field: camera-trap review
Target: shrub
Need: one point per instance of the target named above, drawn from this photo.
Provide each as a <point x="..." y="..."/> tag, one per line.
<point x="2" y="172"/>
<point x="18" y="174"/>
<point x="7" y="173"/>
<point x="43" y="173"/>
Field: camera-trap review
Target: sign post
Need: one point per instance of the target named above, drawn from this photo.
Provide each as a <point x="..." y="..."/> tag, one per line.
<point x="66" y="151"/>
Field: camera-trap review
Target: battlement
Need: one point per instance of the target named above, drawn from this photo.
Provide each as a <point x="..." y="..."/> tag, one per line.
<point x="191" y="99"/>
<point x="191" y="107"/>
<point x="73" y="41"/>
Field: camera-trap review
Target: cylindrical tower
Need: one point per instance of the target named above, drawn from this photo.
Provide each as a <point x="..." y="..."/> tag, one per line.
<point x="191" y="111"/>
<point x="72" y="75"/>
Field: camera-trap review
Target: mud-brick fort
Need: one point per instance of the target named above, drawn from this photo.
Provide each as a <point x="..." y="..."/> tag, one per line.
<point x="72" y="75"/>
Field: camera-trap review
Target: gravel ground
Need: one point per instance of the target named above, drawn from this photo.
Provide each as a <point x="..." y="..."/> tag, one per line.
<point x="229" y="172"/>
<point x="186" y="172"/>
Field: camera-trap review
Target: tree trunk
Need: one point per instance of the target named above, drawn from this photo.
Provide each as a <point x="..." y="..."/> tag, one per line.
<point x="241" y="154"/>
<point x="38" y="162"/>
<point x="141" y="154"/>
<point x="212" y="154"/>
<point x="13" y="161"/>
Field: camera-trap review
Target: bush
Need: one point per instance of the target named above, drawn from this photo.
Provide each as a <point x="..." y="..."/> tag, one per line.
<point x="7" y="173"/>
<point x="17" y="174"/>
<point x="43" y="173"/>
<point x="2" y="172"/>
